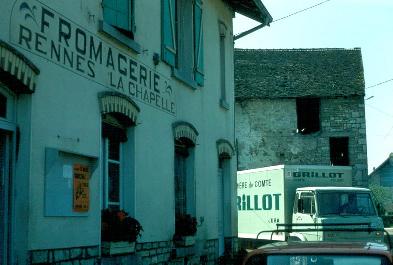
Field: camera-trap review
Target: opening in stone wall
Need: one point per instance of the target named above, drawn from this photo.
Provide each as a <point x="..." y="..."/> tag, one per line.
<point x="307" y="110"/>
<point x="339" y="151"/>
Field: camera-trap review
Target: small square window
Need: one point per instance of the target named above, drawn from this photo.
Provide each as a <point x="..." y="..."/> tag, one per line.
<point x="339" y="151"/>
<point x="307" y="110"/>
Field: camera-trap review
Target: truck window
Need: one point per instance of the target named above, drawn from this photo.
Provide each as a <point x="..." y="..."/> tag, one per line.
<point x="307" y="203"/>
<point x="345" y="203"/>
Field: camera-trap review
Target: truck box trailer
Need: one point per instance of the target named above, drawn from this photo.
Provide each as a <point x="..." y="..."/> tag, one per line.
<point x="294" y="195"/>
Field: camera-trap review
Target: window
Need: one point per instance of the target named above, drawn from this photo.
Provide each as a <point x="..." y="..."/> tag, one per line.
<point x="112" y="166"/>
<point x="307" y="110"/>
<point x="182" y="39"/>
<point x="339" y="151"/>
<point x="306" y="203"/>
<point x="119" y="14"/>
<point x="3" y="106"/>
<point x="119" y="21"/>
<point x="7" y="164"/>
<point x="223" y="99"/>
<point x="115" y="142"/>
<point x="114" y="135"/>
<point x="118" y="122"/>
<point x="349" y="203"/>
<point x="184" y="179"/>
<point x="7" y="103"/>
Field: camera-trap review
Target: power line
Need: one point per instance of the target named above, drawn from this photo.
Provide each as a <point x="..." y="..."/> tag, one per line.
<point x="300" y="11"/>
<point x="381" y="111"/>
<point x="242" y="34"/>
<point x="381" y="83"/>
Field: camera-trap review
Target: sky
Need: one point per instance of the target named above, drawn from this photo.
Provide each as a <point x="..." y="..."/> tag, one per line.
<point x="367" y="24"/>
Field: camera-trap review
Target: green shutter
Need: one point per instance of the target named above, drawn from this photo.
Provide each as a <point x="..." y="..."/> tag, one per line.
<point x="198" y="43"/>
<point x="168" y="17"/>
<point x="117" y="13"/>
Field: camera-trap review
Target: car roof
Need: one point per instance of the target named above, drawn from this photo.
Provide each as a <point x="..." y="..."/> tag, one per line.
<point x="323" y="247"/>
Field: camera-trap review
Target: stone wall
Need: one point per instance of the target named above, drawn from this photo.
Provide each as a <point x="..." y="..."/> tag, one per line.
<point x="266" y="133"/>
<point x="148" y="253"/>
<point x="66" y="256"/>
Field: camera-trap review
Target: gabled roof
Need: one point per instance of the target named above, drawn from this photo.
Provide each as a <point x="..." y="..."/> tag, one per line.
<point x="291" y="73"/>
<point x="384" y="163"/>
<point x="253" y="9"/>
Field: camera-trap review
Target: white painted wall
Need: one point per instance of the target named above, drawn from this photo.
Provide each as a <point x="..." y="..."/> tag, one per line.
<point x="64" y="108"/>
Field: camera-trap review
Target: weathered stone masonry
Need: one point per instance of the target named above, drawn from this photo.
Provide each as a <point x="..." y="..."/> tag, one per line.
<point x="160" y="253"/>
<point x="266" y="119"/>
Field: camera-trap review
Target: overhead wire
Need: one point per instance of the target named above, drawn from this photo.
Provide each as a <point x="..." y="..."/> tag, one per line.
<point x="381" y="111"/>
<point x="300" y="11"/>
<point x="380" y="83"/>
<point x="242" y="34"/>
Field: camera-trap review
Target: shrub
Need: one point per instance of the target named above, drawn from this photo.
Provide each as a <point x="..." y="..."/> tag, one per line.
<point x="186" y="225"/>
<point x="116" y="225"/>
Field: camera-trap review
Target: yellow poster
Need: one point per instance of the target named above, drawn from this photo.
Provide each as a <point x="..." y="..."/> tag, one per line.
<point x="81" y="188"/>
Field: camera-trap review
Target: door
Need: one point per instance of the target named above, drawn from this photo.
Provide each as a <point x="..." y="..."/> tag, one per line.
<point x="305" y="214"/>
<point x="220" y="212"/>
<point x="5" y="155"/>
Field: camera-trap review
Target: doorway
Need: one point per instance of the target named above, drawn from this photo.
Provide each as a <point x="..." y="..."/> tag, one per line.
<point x="5" y="183"/>
<point x="223" y="197"/>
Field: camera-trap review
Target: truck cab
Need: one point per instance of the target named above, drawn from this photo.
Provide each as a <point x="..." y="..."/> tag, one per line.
<point x="335" y="214"/>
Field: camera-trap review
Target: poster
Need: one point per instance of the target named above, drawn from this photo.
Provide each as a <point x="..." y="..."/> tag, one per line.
<point x="81" y="188"/>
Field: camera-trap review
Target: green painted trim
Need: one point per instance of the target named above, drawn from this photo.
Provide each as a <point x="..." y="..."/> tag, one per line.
<point x="189" y="82"/>
<point x="114" y="33"/>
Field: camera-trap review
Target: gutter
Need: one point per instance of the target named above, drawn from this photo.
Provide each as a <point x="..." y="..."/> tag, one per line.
<point x="245" y="33"/>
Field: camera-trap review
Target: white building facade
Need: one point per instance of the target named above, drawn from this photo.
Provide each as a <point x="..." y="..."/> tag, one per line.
<point x="123" y="105"/>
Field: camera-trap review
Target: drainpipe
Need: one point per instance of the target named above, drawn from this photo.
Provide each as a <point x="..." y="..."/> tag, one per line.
<point x="240" y="35"/>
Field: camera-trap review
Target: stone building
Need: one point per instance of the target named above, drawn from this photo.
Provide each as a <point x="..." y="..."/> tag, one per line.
<point x="122" y="105"/>
<point x="301" y="106"/>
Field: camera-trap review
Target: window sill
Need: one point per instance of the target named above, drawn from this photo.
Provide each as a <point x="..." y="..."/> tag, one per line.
<point x="114" y="33"/>
<point x="185" y="80"/>
<point x="224" y="104"/>
<point x="308" y="133"/>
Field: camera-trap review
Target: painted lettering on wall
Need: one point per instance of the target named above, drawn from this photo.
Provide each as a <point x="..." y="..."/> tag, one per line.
<point x="44" y="32"/>
<point x="311" y="174"/>
<point x="260" y="183"/>
<point x="265" y="202"/>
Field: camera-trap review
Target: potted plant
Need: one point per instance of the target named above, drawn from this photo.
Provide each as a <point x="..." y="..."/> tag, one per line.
<point x="185" y="230"/>
<point x="119" y="232"/>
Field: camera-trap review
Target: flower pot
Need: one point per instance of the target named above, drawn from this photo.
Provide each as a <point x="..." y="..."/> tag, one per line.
<point x="114" y="248"/>
<point x="185" y="241"/>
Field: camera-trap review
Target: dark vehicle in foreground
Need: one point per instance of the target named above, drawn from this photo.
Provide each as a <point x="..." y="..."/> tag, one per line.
<point x="320" y="253"/>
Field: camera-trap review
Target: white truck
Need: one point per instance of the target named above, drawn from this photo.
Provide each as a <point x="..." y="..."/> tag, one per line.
<point x="306" y="203"/>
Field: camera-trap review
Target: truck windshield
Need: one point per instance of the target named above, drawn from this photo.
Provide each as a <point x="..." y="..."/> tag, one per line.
<point x="345" y="203"/>
<point x="325" y="260"/>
